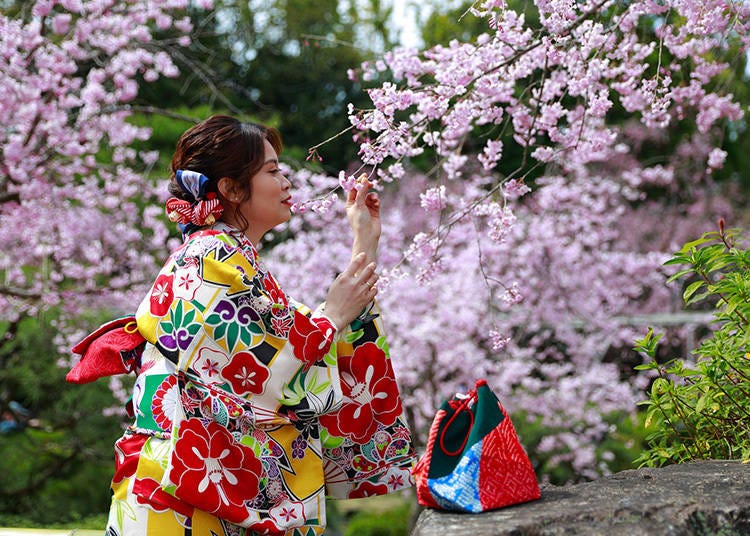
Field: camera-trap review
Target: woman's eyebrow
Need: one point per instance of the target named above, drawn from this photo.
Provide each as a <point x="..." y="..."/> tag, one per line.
<point x="271" y="161"/>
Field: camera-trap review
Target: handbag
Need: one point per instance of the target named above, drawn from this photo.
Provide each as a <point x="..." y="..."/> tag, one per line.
<point x="474" y="460"/>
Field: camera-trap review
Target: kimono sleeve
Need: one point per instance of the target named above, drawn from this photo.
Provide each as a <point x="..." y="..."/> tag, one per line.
<point x="367" y="444"/>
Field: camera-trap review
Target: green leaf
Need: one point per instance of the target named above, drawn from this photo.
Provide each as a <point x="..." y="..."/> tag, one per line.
<point x="694" y="244"/>
<point x="690" y="290"/>
<point x="329" y="441"/>
<point x="679" y="274"/>
<point x="331" y="358"/>
<point x="382" y="343"/>
<point x="660" y="386"/>
<point x="698" y="297"/>
<point x="233" y="333"/>
<point x="220" y="331"/>
<point x="648" y="343"/>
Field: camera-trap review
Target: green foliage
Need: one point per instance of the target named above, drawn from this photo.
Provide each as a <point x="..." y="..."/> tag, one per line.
<point x="57" y="465"/>
<point x="615" y="449"/>
<point x="392" y="522"/>
<point x="702" y="411"/>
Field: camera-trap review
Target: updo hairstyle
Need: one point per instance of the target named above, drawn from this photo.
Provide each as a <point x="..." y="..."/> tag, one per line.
<point x="222" y="146"/>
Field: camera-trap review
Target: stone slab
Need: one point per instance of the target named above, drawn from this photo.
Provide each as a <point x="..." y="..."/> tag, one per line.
<point x="698" y="498"/>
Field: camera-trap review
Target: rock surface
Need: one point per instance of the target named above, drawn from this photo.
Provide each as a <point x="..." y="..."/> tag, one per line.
<point x="697" y="498"/>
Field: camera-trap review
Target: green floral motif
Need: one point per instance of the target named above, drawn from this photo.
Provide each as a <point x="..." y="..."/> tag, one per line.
<point x="122" y="509"/>
<point x="330" y="441"/>
<point x="303" y="384"/>
<point x="156" y="451"/>
<point x="232" y="324"/>
<point x="180" y="327"/>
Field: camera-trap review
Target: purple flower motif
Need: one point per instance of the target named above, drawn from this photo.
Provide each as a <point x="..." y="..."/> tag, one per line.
<point x="298" y="447"/>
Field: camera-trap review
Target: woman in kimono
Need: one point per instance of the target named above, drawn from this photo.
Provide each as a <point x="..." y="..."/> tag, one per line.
<point x="249" y="407"/>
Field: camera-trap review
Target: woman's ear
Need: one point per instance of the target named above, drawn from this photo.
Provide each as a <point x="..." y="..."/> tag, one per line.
<point x="229" y="190"/>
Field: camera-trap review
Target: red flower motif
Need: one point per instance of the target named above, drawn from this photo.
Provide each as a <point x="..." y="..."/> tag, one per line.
<point x="188" y="280"/>
<point x="281" y="325"/>
<point x="246" y="374"/>
<point x="162" y="295"/>
<point x="308" y="340"/>
<point x="368" y="489"/>
<point x="165" y="401"/>
<point x="189" y="403"/>
<point x="127" y="453"/>
<point x="214" y="472"/>
<point x="370" y="395"/>
<point x="266" y="528"/>
<point x="148" y="491"/>
<point x="274" y="291"/>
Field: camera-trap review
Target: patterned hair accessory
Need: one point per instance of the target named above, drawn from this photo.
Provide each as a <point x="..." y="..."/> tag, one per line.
<point x="192" y="183"/>
<point x="204" y="210"/>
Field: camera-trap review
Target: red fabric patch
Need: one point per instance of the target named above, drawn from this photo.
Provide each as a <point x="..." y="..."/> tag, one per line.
<point x="127" y="451"/>
<point x="422" y="468"/>
<point x="162" y="295"/>
<point x="148" y="491"/>
<point x="505" y="473"/>
<point x="368" y="489"/>
<point x="114" y="348"/>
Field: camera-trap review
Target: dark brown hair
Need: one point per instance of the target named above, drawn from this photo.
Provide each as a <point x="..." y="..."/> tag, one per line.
<point x="222" y="146"/>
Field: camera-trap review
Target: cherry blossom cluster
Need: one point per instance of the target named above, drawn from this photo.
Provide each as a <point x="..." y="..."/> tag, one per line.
<point x="72" y="187"/>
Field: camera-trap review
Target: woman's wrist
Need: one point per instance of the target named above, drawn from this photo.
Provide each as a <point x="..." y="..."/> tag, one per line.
<point x="370" y="250"/>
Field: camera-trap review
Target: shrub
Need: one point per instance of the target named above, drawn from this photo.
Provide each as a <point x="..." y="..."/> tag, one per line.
<point x="702" y="410"/>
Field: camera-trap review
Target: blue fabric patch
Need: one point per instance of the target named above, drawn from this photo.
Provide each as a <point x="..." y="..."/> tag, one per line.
<point x="459" y="490"/>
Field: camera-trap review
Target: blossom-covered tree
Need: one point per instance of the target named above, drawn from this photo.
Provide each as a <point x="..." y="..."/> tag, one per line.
<point x="77" y="224"/>
<point x="556" y="189"/>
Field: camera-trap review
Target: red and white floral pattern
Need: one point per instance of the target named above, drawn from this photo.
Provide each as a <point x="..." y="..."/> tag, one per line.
<point x="212" y="470"/>
<point x="165" y="402"/>
<point x="371" y="395"/>
<point x="162" y="295"/>
<point x="246" y="374"/>
<point x="187" y="280"/>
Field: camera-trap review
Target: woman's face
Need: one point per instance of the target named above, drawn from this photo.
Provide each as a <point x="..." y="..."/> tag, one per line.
<point x="270" y="199"/>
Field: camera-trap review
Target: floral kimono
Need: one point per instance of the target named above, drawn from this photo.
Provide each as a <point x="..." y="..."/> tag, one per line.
<point x="249" y="408"/>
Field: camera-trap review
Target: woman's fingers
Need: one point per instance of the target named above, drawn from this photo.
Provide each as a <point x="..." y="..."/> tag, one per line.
<point x="363" y="278"/>
<point x="356" y="265"/>
<point x="358" y="195"/>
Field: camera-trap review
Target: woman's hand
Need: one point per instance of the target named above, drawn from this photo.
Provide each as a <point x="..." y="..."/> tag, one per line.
<point x="354" y="288"/>
<point x="363" y="213"/>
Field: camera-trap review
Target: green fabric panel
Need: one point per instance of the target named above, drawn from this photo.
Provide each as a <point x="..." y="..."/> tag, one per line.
<point x="487" y="416"/>
<point x="144" y="418"/>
